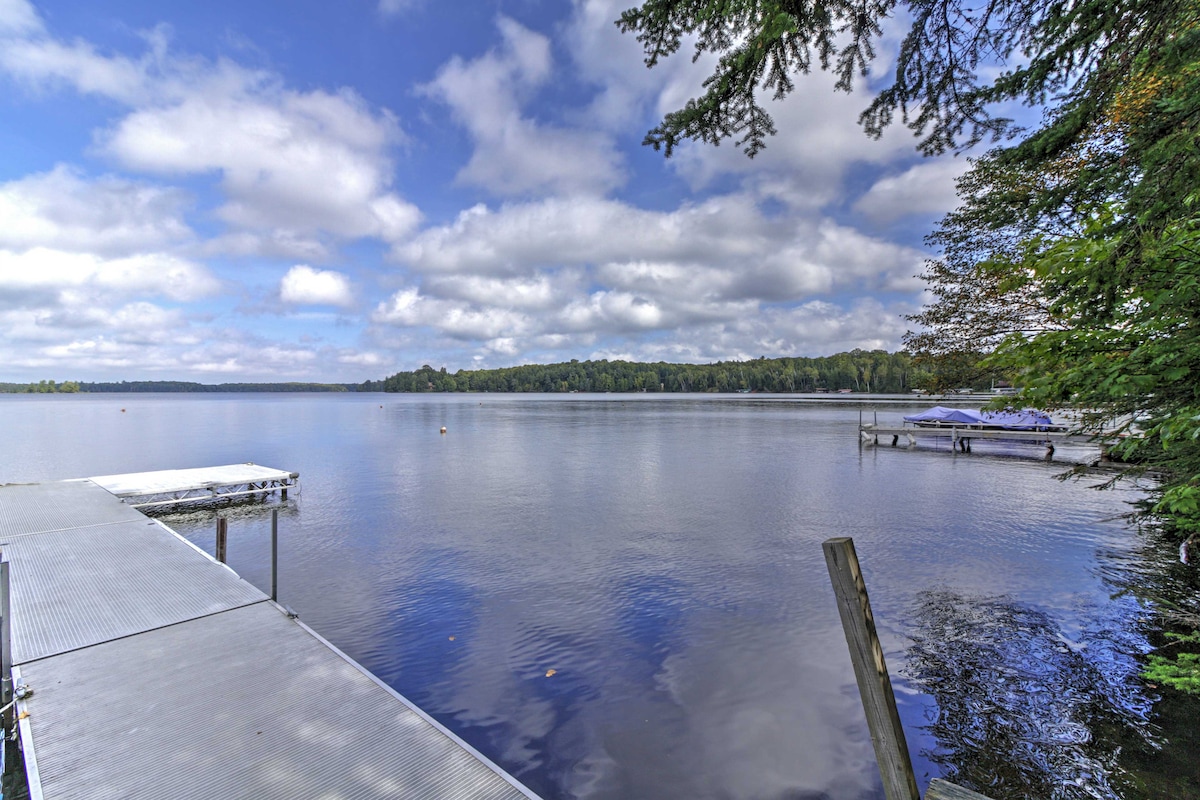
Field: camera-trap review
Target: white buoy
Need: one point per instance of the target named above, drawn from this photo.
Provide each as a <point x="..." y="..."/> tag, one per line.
<point x="443" y="429"/>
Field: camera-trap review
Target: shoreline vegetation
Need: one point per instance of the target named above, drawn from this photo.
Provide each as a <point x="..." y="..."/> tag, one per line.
<point x="858" y="371"/>
<point x="86" y="387"/>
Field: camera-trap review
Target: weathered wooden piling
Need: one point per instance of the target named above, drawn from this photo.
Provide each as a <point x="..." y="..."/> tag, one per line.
<point x="874" y="685"/>
<point x="870" y="670"/>
<point x="222" y="537"/>
<point x="945" y="790"/>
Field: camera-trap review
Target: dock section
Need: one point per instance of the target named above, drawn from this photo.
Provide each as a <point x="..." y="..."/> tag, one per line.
<point x="174" y="486"/>
<point x="961" y="436"/>
<point x="146" y="669"/>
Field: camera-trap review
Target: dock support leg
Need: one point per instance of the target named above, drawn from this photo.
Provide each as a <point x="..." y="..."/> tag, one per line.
<point x="895" y="440"/>
<point x="6" y="684"/>
<point x="870" y="670"/>
<point x="222" y="537"/>
<point x="275" y="555"/>
<point x="283" y="493"/>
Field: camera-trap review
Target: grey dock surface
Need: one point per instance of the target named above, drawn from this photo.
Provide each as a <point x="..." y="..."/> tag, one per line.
<point x="171" y="486"/>
<point x="159" y="673"/>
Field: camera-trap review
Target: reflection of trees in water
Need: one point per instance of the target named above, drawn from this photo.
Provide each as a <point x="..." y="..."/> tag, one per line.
<point x="1022" y="711"/>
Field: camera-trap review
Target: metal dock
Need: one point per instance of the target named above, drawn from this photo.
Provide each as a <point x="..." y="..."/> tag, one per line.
<point x="144" y="668"/>
<point x="171" y="486"/>
<point x="960" y="436"/>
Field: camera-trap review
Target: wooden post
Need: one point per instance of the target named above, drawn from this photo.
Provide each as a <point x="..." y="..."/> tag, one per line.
<point x="275" y="554"/>
<point x="6" y="683"/>
<point x="222" y="535"/>
<point x="874" y="686"/>
<point x="944" y="790"/>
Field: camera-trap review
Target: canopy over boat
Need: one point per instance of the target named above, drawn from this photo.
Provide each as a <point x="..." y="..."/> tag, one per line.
<point x="1027" y="419"/>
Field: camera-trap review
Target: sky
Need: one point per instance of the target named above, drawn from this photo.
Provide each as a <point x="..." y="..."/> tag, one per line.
<point x="228" y="191"/>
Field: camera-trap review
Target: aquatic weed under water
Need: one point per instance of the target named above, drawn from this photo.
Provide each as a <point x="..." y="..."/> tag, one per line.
<point x="1020" y="705"/>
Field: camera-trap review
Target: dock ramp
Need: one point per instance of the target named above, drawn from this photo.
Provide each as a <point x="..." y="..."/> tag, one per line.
<point x="149" y="670"/>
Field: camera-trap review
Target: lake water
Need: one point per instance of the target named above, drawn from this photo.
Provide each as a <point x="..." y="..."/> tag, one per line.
<point x="625" y="596"/>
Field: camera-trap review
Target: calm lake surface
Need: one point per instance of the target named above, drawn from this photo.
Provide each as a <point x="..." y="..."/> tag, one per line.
<point x="661" y="555"/>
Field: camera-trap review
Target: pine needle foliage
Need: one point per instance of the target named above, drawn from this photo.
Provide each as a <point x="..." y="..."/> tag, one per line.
<point x="1180" y="672"/>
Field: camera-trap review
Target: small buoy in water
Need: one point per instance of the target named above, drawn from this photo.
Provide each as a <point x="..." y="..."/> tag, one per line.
<point x="122" y="411"/>
<point x="443" y="429"/>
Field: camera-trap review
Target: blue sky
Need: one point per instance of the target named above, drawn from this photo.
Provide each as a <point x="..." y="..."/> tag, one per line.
<point x="231" y="191"/>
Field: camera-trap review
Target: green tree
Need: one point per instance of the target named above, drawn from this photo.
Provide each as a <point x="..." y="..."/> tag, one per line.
<point x="1073" y="264"/>
<point x="1078" y="267"/>
<point x="1064" y="47"/>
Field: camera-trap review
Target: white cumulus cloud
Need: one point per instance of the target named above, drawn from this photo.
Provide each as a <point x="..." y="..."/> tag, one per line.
<point x="306" y="163"/>
<point x="514" y="153"/>
<point x="295" y="167"/>
<point x="303" y="285"/>
<point x="81" y="277"/>
<point x="18" y="17"/>
<point x="61" y="209"/>
<point x="927" y="188"/>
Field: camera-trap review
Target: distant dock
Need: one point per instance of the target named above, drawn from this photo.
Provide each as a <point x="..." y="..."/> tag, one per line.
<point x="144" y="668"/>
<point x="960" y="436"/>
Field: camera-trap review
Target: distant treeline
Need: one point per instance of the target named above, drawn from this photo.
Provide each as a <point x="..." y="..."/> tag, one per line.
<point x="50" y="387"/>
<point x="41" y="387"/>
<point x="858" y="370"/>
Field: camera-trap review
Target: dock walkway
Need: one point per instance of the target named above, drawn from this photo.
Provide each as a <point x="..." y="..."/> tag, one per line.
<point x="172" y="486"/>
<point x="150" y="670"/>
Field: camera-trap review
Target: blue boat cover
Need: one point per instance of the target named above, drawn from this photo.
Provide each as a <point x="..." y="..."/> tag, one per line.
<point x="1027" y="419"/>
<point x="950" y="416"/>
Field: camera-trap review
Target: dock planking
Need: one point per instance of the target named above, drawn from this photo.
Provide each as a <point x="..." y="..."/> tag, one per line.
<point x="157" y="672"/>
<point x="173" y="486"/>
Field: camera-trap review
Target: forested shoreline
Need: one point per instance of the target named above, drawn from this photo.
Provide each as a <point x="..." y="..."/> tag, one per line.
<point x="75" y="387"/>
<point x="858" y="370"/>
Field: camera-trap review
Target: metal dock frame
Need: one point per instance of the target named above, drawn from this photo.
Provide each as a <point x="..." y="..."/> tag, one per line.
<point x="152" y="671"/>
<point x="175" y="486"/>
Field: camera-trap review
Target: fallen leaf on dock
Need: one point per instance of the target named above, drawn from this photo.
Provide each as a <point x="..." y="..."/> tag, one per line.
<point x="25" y="714"/>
